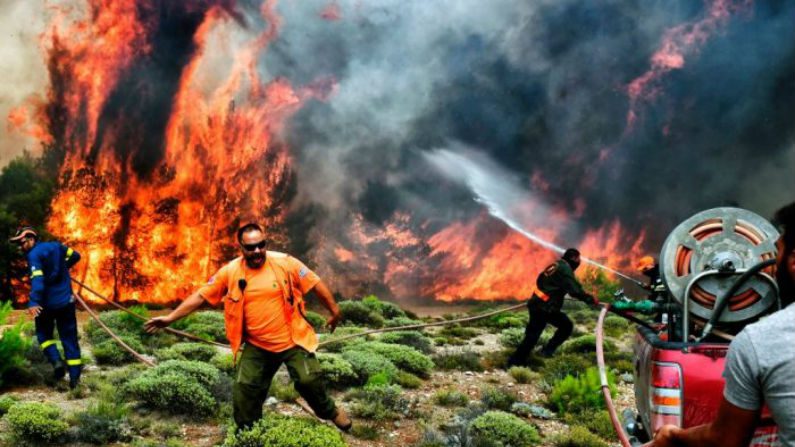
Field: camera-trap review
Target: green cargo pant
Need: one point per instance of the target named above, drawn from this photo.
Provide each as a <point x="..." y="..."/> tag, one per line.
<point x="255" y="371"/>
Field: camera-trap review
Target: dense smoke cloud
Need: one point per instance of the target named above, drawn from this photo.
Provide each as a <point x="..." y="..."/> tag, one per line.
<point x="540" y="87"/>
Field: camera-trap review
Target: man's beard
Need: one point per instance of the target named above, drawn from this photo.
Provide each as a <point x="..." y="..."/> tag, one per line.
<point x="255" y="260"/>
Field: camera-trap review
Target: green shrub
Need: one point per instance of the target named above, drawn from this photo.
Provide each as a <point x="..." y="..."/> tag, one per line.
<point x="498" y="359"/>
<point x="504" y="428"/>
<point x="404" y="357"/>
<point x="367" y="363"/>
<point x="597" y="421"/>
<point x="522" y="374"/>
<point x="364" y="431"/>
<point x="504" y="321"/>
<point x="385" y="309"/>
<point x="331" y="345"/>
<point x="337" y="371"/>
<point x="622" y="366"/>
<point x="401" y="321"/>
<point x="511" y="337"/>
<point x="179" y="386"/>
<point x="585" y="344"/>
<point x="357" y="313"/>
<point x="458" y="331"/>
<point x="119" y="322"/>
<point x="450" y="398"/>
<point x="560" y="366"/>
<point x="103" y="422"/>
<point x="109" y="352"/>
<point x="283" y="390"/>
<point x="275" y="430"/>
<point x="460" y="361"/>
<point x="13" y="344"/>
<point x="317" y="321"/>
<point x="578" y="436"/>
<point x="187" y="351"/>
<point x="414" y="339"/>
<point x="407" y="380"/>
<point x="380" y="379"/>
<point x="207" y="324"/>
<point x="579" y="394"/>
<point x="224" y="362"/>
<point x="37" y="423"/>
<point x="6" y="402"/>
<point x="379" y="403"/>
<point x="497" y="398"/>
<point x="615" y="326"/>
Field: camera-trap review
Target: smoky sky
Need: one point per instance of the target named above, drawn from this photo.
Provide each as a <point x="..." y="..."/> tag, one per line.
<point x="540" y="88"/>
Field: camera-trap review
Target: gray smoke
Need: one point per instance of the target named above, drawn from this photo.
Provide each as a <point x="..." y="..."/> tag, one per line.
<point x="22" y="70"/>
<point x="539" y="87"/>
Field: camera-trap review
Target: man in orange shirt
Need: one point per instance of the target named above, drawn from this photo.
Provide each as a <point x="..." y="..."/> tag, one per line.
<point x="263" y="293"/>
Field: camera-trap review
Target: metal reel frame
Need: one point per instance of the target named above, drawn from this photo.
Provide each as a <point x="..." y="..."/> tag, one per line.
<point x="703" y="256"/>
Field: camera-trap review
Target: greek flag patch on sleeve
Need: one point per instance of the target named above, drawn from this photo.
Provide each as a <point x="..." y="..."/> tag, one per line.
<point x="303" y="272"/>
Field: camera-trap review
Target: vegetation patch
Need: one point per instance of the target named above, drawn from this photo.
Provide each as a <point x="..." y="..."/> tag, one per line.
<point x="275" y="430"/>
<point x="36" y="423"/>
<point x="503" y="428"/>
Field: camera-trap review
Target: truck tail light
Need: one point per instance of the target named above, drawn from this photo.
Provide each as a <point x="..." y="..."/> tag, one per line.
<point x="666" y="395"/>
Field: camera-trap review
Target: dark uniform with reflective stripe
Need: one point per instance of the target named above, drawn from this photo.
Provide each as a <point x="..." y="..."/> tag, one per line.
<point x="552" y="285"/>
<point x="51" y="288"/>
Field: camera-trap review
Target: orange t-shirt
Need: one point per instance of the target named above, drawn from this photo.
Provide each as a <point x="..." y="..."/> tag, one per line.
<point x="267" y="316"/>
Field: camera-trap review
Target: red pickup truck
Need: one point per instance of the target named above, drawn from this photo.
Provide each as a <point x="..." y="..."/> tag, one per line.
<point x="715" y="276"/>
<point x="681" y="384"/>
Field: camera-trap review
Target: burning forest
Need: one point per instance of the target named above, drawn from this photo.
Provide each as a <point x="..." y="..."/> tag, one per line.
<point x="395" y="151"/>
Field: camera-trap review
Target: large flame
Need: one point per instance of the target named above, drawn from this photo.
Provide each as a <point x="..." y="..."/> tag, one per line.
<point x="154" y="233"/>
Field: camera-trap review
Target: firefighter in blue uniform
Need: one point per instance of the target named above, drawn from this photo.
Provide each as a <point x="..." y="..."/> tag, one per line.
<point x="51" y="302"/>
<point x="552" y="285"/>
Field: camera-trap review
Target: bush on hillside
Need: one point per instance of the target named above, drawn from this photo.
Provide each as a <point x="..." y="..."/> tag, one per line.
<point x="178" y="386"/>
<point x="580" y="394"/>
<point x="381" y="402"/>
<point x="207" y="324"/>
<point x="414" y="339"/>
<point x="109" y="352"/>
<point x="367" y="364"/>
<point x="404" y="357"/>
<point x="275" y="430"/>
<point x="503" y="428"/>
<point x="511" y="338"/>
<point x="578" y="436"/>
<point x="13" y="344"/>
<point x="385" y="309"/>
<point x="562" y="365"/>
<point x="356" y="313"/>
<point x="187" y="351"/>
<point x="36" y="423"/>
<point x="337" y="372"/>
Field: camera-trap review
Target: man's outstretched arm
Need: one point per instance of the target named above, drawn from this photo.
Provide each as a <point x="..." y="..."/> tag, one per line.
<point x="191" y="303"/>
<point x="733" y="427"/>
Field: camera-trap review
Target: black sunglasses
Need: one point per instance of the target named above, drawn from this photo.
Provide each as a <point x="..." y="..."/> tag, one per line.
<point x="252" y="247"/>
